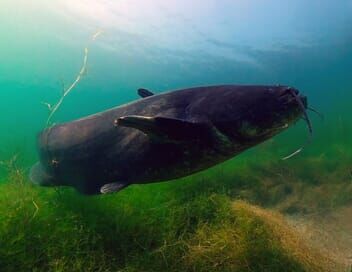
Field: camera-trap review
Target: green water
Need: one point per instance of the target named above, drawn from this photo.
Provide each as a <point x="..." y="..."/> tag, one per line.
<point x="165" y="46"/>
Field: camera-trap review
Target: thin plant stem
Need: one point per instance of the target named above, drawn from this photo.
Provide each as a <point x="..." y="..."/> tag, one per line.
<point x="53" y="109"/>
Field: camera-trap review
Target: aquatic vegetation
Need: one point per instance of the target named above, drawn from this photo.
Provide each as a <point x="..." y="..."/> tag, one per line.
<point x="269" y="244"/>
<point x="189" y="225"/>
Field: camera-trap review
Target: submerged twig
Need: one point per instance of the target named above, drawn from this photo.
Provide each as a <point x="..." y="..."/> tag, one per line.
<point x="53" y="108"/>
<point x="293" y="154"/>
<point x="97" y="34"/>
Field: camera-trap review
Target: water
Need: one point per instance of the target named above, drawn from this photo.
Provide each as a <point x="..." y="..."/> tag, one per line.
<point x="163" y="46"/>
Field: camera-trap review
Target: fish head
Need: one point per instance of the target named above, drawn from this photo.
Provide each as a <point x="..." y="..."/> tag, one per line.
<point x="255" y="114"/>
<point x="41" y="176"/>
<point x="61" y="161"/>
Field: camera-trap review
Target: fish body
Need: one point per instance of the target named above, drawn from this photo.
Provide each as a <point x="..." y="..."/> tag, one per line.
<point x="162" y="137"/>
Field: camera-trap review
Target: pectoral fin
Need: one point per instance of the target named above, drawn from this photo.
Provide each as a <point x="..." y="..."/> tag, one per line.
<point x="144" y="93"/>
<point x="112" y="187"/>
<point x="166" y="128"/>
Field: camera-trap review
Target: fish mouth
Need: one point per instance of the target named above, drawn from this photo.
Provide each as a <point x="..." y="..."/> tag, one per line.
<point x="292" y="96"/>
<point x="39" y="176"/>
<point x="301" y="102"/>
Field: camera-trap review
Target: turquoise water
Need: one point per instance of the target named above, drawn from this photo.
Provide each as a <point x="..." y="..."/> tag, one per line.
<point x="171" y="45"/>
<point x="306" y="46"/>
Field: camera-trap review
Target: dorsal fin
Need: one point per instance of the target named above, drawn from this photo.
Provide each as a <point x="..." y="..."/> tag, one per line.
<point x="144" y="93"/>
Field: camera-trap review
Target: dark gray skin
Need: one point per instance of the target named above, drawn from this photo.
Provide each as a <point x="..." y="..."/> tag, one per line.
<point x="163" y="137"/>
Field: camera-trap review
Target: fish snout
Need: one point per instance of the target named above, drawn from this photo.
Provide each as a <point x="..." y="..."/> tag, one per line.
<point x="39" y="176"/>
<point x="296" y="95"/>
<point x="289" y="95"/>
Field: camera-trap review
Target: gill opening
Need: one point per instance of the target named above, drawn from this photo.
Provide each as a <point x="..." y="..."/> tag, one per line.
<point x="306" y="119"/>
